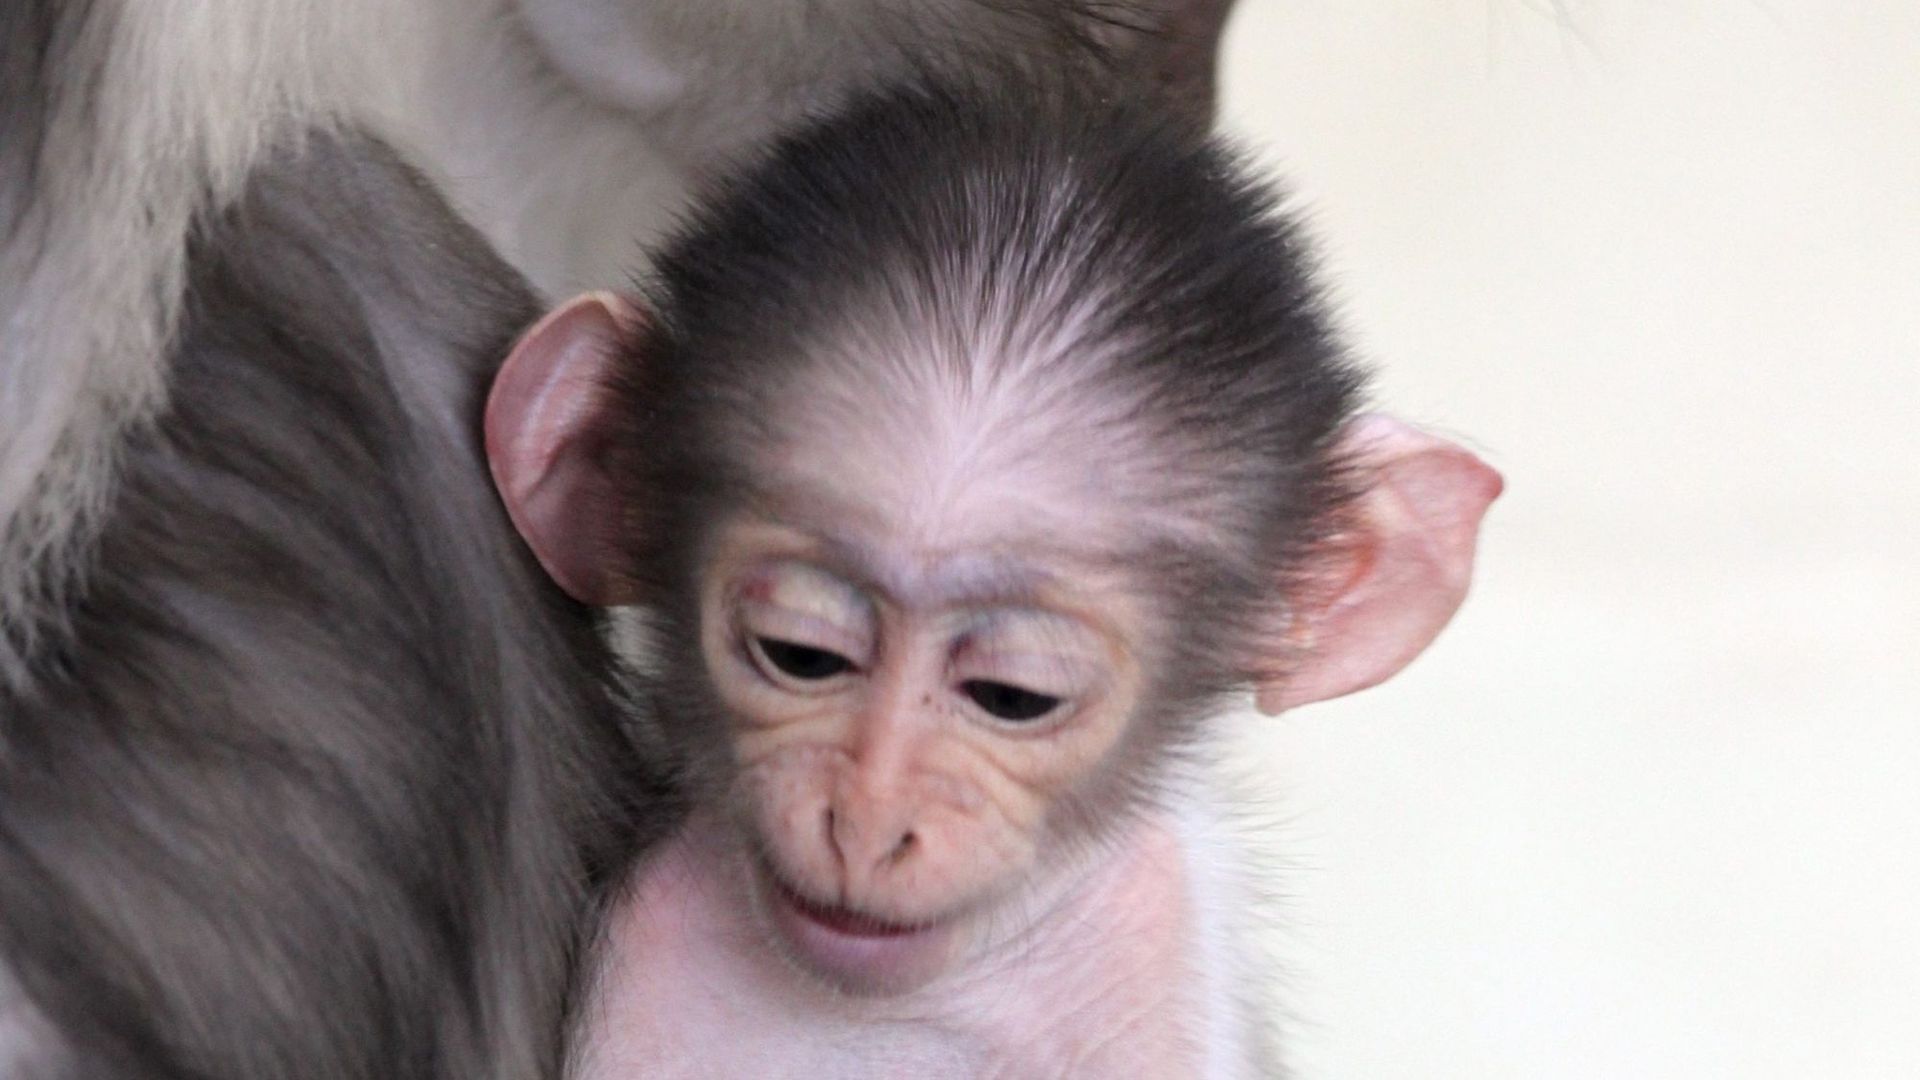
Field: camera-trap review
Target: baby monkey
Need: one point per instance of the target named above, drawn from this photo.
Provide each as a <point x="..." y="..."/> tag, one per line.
<point x="966" y="455"/>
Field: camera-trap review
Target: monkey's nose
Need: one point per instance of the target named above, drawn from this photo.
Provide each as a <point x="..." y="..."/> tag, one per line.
<point x="866" y="846"/>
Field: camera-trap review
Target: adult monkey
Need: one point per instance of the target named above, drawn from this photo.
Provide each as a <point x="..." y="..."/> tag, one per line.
<point x="233" y="476"/>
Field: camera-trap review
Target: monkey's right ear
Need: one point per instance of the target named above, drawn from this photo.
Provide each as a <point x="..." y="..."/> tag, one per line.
<point x="1387" y="587"/>
<point x="546" y="438"/>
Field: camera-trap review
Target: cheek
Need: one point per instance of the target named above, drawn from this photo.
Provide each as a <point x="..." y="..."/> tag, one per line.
<point x="780" y="796"/>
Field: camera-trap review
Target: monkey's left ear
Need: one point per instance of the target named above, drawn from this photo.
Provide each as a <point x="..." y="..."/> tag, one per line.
<point x="1388" y="587"/>
<point x="546" y="435"/>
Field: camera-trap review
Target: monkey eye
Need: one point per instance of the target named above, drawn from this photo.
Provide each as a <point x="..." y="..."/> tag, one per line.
<point x="1007" y="702"/>
<point x="799" y="661"/>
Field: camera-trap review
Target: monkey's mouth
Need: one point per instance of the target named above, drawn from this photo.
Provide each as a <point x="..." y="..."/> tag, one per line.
<point x="845" y="920"/>
<point x="855" y="950"/>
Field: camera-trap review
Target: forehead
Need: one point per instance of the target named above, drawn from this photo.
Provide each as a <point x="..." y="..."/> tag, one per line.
<point x="959" y="451"/>
<point x="983" y="568"/>
<point x="924" y="523"/>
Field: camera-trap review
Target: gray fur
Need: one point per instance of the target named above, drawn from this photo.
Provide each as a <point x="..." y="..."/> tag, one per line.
<point x="321" y="777"/>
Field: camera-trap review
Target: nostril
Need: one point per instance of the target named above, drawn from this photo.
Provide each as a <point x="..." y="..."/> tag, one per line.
<point x="828" y="826"/>
<point x="908" y="841"/>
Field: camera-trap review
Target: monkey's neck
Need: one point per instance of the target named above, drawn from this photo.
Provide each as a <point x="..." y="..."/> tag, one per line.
<point x="1126" y="975"/>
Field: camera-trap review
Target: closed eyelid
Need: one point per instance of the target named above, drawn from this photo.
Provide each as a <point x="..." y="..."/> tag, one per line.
<point x="1059" y="674"/>
<point x="774" y="621"/>
<point x="807" y="592"/>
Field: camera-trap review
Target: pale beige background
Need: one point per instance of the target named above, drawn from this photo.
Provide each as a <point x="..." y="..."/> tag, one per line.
<point x="1651" y="808"/>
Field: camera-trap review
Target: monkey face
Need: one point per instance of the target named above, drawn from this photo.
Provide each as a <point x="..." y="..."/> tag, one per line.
<point x="903" y="729"/>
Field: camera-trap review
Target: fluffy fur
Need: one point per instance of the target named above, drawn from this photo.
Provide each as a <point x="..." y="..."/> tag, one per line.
<point x="321" y="775"/>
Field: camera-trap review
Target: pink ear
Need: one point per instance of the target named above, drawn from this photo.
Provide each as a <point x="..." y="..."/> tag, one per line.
<point x="1403" y="573"/>
<point x="545" y="436"/>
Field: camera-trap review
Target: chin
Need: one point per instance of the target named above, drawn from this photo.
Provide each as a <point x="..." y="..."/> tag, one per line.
<point x="853" y="951"/>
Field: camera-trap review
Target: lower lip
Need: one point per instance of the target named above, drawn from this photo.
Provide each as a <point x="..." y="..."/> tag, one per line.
<point x="856" y="953"/>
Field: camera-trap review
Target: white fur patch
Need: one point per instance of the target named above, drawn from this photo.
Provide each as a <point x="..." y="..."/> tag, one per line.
<point x="1224" y="921"/>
